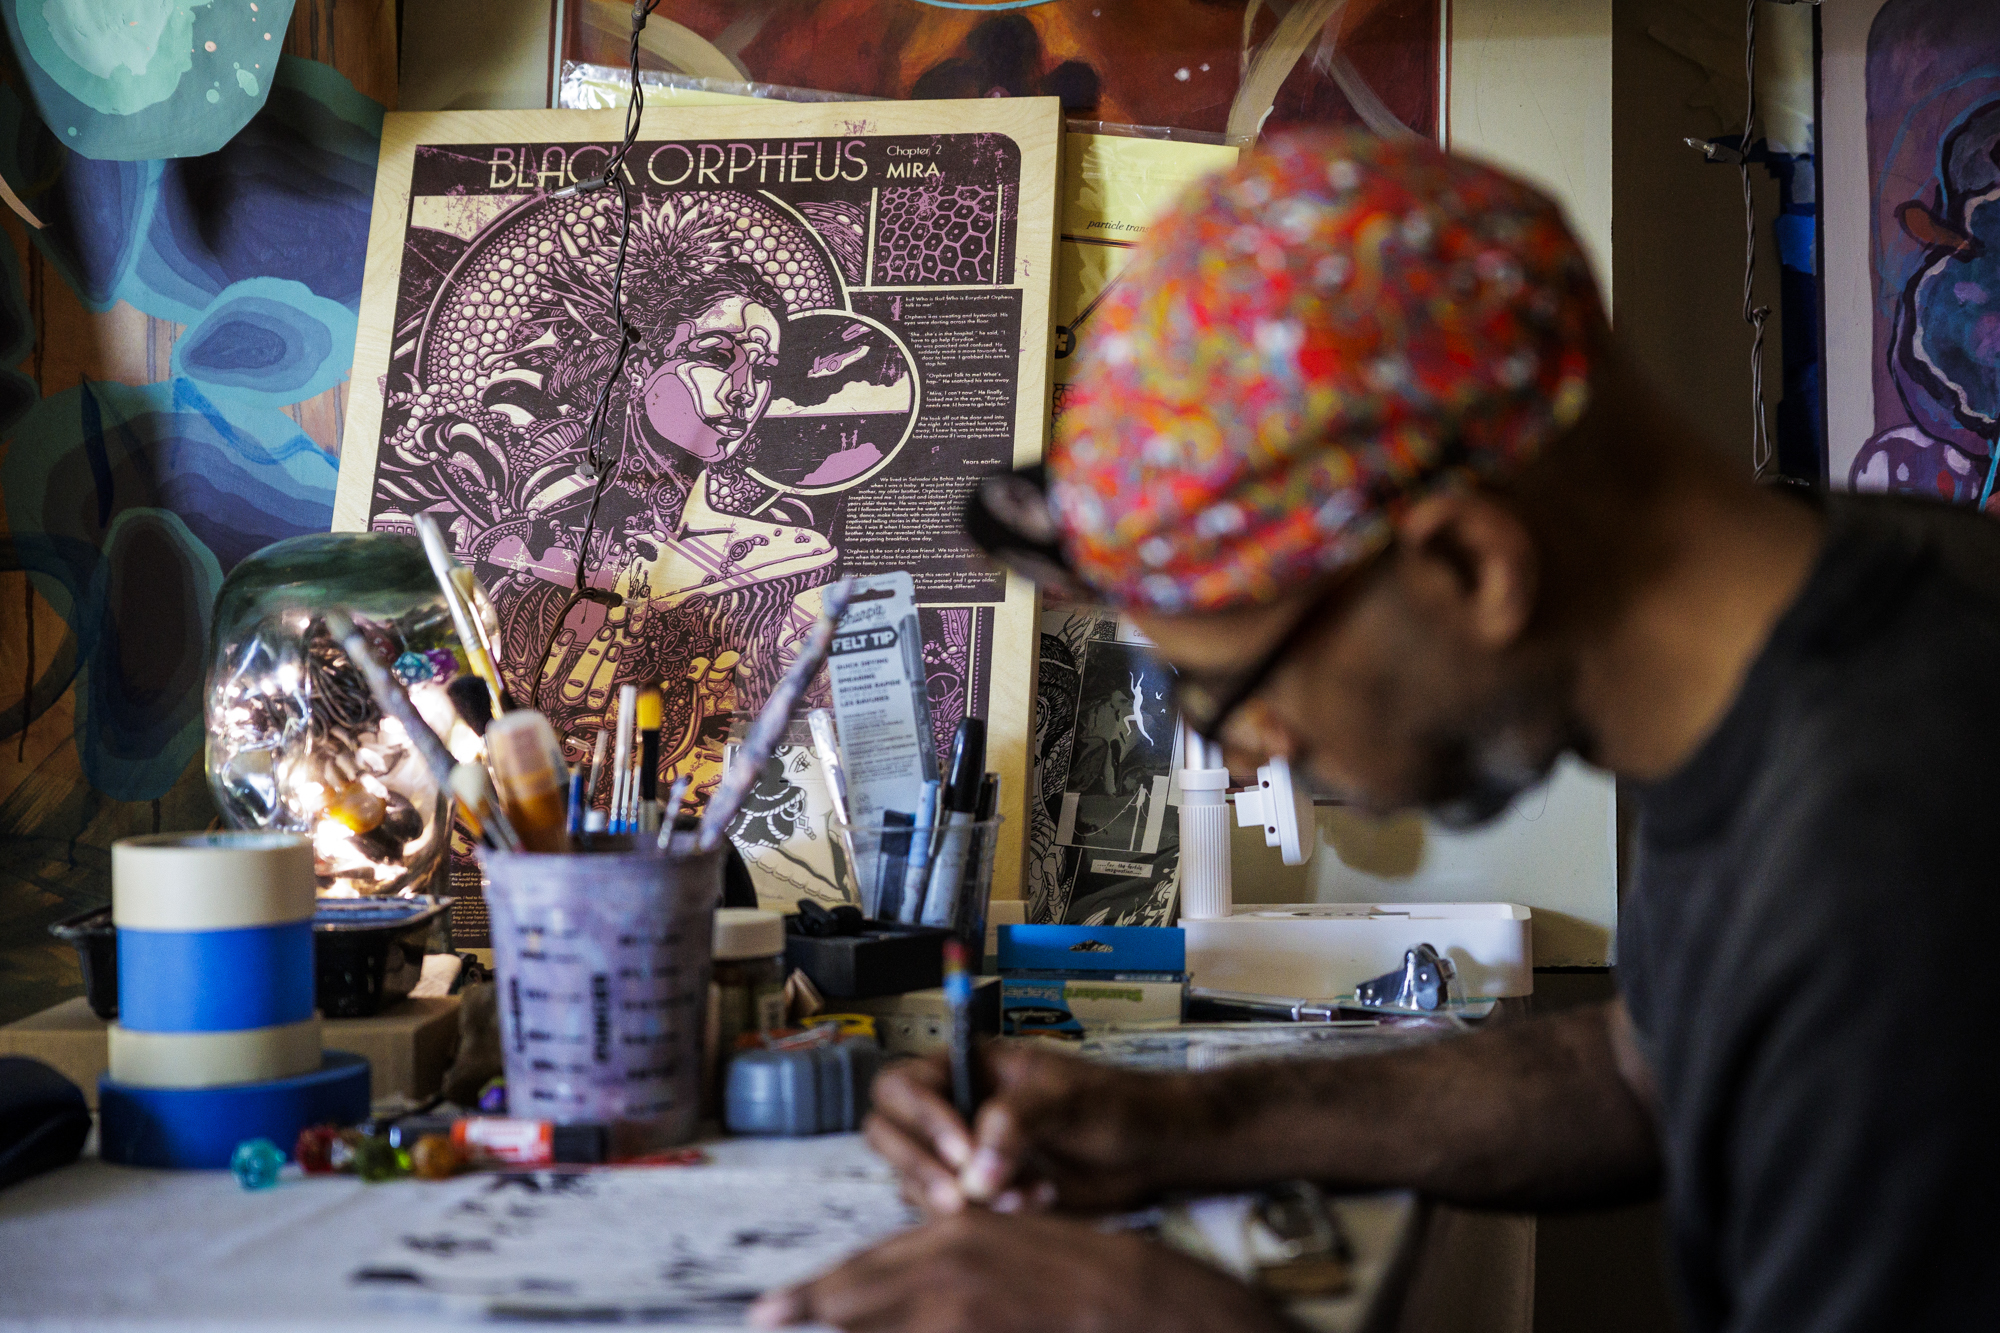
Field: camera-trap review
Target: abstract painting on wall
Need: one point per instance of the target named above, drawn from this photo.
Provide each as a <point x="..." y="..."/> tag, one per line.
<point x="1914" y="396"/>
<point x="1230" y="67"/>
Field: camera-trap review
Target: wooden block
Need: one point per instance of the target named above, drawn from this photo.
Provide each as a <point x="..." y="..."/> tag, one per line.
<point x="67" y="1038"/>
<point x="408" y="1047"/>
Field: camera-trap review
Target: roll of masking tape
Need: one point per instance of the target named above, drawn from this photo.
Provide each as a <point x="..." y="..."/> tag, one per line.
<point x="212" y="1059"/>
<point x="200" y="1127"/>
<point x="211" y="881"/>
<point x="215" y="959"/>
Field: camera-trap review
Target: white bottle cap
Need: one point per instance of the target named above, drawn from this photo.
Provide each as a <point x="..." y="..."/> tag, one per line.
<point x="746" y="932"/>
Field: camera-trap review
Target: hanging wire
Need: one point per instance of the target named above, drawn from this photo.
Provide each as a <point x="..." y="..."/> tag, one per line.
<point x="596" y="467"/>
<point x="1761" y="451"/>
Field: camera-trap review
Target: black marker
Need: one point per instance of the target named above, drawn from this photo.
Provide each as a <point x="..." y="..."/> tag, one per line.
<point x="961" y="803"/>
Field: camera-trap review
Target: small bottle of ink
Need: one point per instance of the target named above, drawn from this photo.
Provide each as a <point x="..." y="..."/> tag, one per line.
<point x="746" y="988"/>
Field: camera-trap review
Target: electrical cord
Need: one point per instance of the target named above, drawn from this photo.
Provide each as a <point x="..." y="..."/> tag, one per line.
<point x="1761" y="452"/>
<point x="596" y="468"/>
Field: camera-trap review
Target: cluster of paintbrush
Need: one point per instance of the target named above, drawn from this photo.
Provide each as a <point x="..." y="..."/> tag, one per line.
<point x="525" y="797"/>
<point x="634" y="805"/>
<point x="514" y="800"/>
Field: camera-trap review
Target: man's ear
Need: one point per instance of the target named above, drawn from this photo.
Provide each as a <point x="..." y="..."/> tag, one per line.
<point x="1472" y="563"/>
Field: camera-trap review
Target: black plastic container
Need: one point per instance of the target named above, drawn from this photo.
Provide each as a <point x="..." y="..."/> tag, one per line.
<point x="96" y="941"/>
<point x="369" y="952"/>
<point x="884" y="959"/>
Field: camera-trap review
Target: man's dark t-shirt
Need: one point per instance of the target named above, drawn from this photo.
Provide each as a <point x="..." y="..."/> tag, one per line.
<point x="1811" y="951"/>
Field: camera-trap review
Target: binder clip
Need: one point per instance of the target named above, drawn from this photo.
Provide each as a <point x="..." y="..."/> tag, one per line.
<point x="1421" y="985"/>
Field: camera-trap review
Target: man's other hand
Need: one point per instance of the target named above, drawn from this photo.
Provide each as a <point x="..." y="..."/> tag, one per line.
<point x="1054" y="1131"/>
<point x="979" y="1270"/>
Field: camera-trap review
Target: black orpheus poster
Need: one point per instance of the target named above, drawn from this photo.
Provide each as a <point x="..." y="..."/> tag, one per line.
<point x="839" y="317"/>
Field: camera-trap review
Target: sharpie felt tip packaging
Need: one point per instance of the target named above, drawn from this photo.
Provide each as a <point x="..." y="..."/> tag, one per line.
<point x="881" y="703"/>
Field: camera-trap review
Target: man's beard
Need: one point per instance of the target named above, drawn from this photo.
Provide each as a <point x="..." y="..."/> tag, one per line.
<point x="1472" y="779"/>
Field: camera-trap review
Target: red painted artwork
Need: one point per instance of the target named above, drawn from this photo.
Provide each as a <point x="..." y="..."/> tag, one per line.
<point x="1173" y="63"/>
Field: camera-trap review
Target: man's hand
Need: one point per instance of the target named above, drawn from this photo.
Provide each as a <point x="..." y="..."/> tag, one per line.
<point x="996" y="1274"/>
<point x="1053" y="1131"/>
<point x="1547" y="1113"/>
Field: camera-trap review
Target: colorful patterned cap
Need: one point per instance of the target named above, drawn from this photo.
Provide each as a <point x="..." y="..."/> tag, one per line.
<point x="1301" y="346"/>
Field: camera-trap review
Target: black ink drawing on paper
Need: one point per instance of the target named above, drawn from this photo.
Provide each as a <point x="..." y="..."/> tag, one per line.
<point x="763" y="396"/>
<point x="1104" y="836"/>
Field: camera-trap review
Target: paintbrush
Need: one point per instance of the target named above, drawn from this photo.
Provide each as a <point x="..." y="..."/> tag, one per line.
<point x="479" y="806"/>
<point x="675" y="795"/>
<point x="621" y="754"/>
<point x="454" y="581"/>
<point x="651" y="710"/>
<point x="596" y="775"/>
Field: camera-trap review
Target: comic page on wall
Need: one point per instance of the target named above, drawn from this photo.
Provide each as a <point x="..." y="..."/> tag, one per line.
<point x="1104" y="831"/>
<point x="1104" y="827"/>
<point x="839" y="322"/>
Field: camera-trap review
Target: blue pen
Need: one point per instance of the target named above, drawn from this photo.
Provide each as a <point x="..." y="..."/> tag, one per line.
<point x="911" y="905"/>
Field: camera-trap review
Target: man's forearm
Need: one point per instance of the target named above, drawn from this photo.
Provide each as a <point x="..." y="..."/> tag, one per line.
<point x="1531" y="1115"/>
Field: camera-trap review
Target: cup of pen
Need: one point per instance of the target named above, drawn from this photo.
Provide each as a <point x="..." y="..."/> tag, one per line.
<point x="938" y="876"/>
<point x="603" y="970"/>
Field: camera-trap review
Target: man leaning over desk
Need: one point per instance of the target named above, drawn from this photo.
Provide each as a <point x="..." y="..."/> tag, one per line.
<point x="1356" y="449"/>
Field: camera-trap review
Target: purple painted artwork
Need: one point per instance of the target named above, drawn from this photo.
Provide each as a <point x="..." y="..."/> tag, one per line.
<point x="766" y="404"/>
<point x="1933" y="118"/>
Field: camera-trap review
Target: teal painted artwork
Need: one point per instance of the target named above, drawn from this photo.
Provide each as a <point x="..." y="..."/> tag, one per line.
<point x="127" y="505"/>
<point x="134" y="80"/>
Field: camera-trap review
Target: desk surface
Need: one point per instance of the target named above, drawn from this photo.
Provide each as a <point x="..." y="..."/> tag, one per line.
<point x="107" y="1247"/>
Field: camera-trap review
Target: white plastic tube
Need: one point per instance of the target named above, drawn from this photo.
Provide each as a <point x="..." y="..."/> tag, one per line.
<point x="1207" y="892"/>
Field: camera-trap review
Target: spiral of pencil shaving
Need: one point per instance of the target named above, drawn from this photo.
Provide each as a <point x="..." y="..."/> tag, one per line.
<point x="764" y="733"/>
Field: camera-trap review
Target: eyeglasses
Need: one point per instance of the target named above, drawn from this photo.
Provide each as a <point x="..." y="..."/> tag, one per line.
<point x="1207" y="705"/>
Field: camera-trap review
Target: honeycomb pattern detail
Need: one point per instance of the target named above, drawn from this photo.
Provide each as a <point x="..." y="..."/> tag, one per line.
<point x="936" y="236"/>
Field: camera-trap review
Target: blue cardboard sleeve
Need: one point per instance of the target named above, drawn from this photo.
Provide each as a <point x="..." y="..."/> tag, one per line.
<point x="1066" y="980"/>
<point x="1093" y="949"/>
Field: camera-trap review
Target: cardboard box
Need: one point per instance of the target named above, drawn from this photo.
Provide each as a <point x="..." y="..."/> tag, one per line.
<point x="918" y="1022"/>
<point x="1072" y="1006"/>
<point x="1069" y="980"/>
<point x="1322" y="951"/>
<point x="408" y="1046"/>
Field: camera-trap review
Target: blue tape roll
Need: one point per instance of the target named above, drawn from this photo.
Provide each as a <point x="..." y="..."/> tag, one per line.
<point x="215" y="980"/>
<point x="199" y="1127"/>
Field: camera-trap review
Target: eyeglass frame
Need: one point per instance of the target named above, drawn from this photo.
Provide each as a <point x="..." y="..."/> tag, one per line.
<point x="1259" y="673"/>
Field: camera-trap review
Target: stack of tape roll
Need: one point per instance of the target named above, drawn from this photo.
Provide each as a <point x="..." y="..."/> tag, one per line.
<point x="216" y="1038"/>
<point x="215" y="959"/>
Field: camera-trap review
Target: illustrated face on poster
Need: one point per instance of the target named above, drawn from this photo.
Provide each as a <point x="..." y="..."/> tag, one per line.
<point x="786" y="833"/>
<point x="826" y="345"/>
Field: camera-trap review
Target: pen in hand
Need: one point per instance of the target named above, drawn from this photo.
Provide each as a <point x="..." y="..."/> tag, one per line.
<point x="958" y="995"/>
